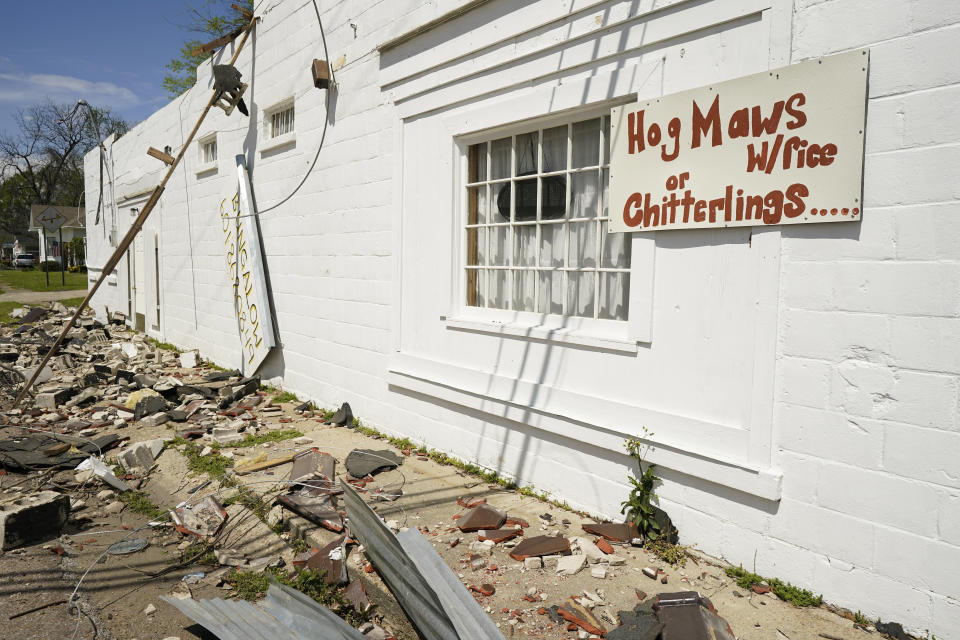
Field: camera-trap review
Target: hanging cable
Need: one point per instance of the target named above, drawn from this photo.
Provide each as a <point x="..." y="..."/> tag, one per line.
<point x="323" y="135"/>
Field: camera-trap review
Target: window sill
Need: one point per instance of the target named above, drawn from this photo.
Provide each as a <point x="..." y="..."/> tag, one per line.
<point x="280" y="141"/>
<point x="210" y="167"/>
<point x="603" y="335"/>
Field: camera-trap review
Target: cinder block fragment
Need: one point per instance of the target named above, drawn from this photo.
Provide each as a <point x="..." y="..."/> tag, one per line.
<point x="33" y="517"/>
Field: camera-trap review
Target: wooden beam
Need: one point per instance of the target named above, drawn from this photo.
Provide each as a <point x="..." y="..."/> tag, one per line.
<point x="219" y="42"/>
<point x="135" y="227"/>
<point x="160" y="155"/>
<point x="246" y="12"/>
<point x="259" y="466"/>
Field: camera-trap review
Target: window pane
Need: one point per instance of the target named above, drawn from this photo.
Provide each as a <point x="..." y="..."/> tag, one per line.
<point x="527" y="154"/>
<point x="605" y="199"/>
<point x="616" y="248"/>
<point x="523" y="290"/>
<point x="551" y="292"/>
<point x="583" y="244"/>
<point x="525" y="207"/>
<point x="498" y="289"/>
<point x="525" y="246"/>
<point x="555" y="149"/>
<point x="500" y="158"/>
<point x="551" y="245"/>
<point x="498" y="245"/>
<point x="584" y="194"/>
<point x="475" y="240"/>
<point x="586" y="143"/>
<point x="477" y="207"/>
<point x="475" y="287"/>
<point x="606" y="139"/>
<point x="580" y="293"/>
<point x="614" y="295"/>
<point x="503" y="201"/>
<point x="477" y="162"/>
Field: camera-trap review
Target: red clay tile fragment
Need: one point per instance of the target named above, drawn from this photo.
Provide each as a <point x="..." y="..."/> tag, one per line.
<point x="582" y="617"/>
<point x="541" y="546"/>
<point x="641" y="595"/>
<point x="529" y="598"/>
<point x="500" y="535"/>
<point x="604" y="546"/>
<point x="471" y="503"/>
<point x="356" y="594"/>
<point x="761" y="588"/>
<point x="483" y="517"/>
<point x="511" y="522"/>
<point x="542" y="611"/>
<point x="616" y="531"/>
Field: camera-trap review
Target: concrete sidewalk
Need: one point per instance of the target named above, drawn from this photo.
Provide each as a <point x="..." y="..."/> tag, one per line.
<point x="34" y="297"/>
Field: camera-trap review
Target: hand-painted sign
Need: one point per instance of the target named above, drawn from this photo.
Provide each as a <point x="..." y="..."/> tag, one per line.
<point x="781" y="147"/>
<point x="251" y="303"/>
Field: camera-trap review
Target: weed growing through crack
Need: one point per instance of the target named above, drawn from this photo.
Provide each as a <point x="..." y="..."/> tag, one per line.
<point x="259" y="438"/>
<point x="674" y="554"/>
<point x="859" y="618"/>
<point x="139" y="502"/>
<point x="285" y="396"/>
<point x="198" y="553"/>
<point x="637" y="507"/>
<point x="783" y="590"/>
<point x="252" y="586"/>
<point x="166" y="346"/>
<point x="213" y="465"/>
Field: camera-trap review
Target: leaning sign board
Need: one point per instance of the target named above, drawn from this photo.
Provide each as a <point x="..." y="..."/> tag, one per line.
<point x="52" y="217"/>
<point x="780" y="147"/>
<point x="251" y="304"/>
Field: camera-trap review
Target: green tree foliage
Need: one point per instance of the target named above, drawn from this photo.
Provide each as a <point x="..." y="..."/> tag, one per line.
<point x="41" y="162"/>
<point x="208" y="21"/>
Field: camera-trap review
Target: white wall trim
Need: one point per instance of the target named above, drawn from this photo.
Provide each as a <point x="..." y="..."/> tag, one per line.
<point x="698" y="448"/>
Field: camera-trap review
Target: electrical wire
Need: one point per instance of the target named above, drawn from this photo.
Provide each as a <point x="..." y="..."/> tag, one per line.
<point x="323" y="135"/>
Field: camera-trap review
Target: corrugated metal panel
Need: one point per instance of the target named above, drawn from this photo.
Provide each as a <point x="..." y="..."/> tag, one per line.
<point x="433" y="597"/>
<point x="470" y="620"/>
<point x="289" y="615"/>
<point x="399" y="572"/>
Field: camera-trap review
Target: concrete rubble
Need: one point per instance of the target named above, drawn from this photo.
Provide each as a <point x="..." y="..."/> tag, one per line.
<point x="240" y="478"/>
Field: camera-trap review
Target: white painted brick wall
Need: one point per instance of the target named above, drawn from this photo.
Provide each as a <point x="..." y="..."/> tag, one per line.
<point x="865" y="428"/>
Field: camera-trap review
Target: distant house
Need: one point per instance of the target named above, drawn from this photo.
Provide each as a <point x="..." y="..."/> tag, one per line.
<point x="13" y="244"/>
<point x="74" y="225"/>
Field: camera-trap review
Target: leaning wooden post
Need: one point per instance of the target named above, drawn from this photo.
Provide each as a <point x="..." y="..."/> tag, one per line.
<point x="133" y="231"/>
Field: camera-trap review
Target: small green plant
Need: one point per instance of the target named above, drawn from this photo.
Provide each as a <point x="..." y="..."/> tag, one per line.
<point x="638" y="507"/>
<point x="260" y="438"/>
<point x="285" y="396"/>
<point x="783" y="590"/>
<point x="140" y="502"/>
<point x="252" y="586"/>
<point x="213" y="465"/>
<point x="674" y="554"/>
<point x="859" y="618"/>
<point x="165" y="346"/>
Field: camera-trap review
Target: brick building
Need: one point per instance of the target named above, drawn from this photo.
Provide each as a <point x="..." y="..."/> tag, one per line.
<point x="805" y="419"/>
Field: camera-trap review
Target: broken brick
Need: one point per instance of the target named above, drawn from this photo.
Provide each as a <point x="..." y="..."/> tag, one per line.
<point x="604" y="546"/>
<point x="617" y="532"/>
<point x="582" y="617"/>
<point x="471" y="503"/>
<point x="484" y="516"/>
<point x="541" y="546"/>
<point x="500" y="535"/>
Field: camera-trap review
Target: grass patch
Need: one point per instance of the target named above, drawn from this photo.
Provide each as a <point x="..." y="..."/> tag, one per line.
<point x="37" y="280"/>
<point x="6" y="308"/>
<point x="675" y="554"/>
<point x="213" y="465"/>
<point x="285" y="396"/>
<point x="783" y="590"/>
<point x="260" y="438"/>
<point x="72" y="302"/>
<point x="166" y="346"/>
<point x="140" y="502"/>
<point x="253" y="586"/>
<point x="199" y="553"/>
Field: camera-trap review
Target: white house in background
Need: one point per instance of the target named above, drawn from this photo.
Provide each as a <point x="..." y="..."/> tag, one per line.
<point x="73" y="224"/>
<point x="801" y="381"/>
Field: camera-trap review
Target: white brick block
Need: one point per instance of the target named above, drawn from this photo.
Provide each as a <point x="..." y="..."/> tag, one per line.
<point x="885" y="499"/>
<point x="800" y="475"/>
<point x="912" y="63"/>
<point x="929" y="232"/>
<point x="912" y="559"/>
<point x="913" y="120"/>
<point x="872" y="239"/>
<point x="830" y="435"/>
<point x="877" y="596"/>
<point x="875" y="391"/>
<point x="804" y="382"/>
<point x="911" y="176"/>
<point x="925" y="454"/>
<point x="835" y="336"/>
<point x="948" y="517"/>
<point x="926" y="343"/>
<point x="850" y="539"/>
<point x="946" y="616"/>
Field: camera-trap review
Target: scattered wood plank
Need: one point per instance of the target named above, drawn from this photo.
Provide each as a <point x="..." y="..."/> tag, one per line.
<point x="266" y="464"/>
<point x="166" y="158"/>
<point x="219" y="42"/>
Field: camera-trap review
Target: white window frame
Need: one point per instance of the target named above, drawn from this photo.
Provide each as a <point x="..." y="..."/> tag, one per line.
<point x="615" y="335"/>
<point x="271" y="141"/>
<point x="203" y="164"/>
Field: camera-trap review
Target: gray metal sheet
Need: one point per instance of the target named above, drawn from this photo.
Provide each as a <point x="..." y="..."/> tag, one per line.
<point x="470" y="620"/>
<point x="408" y="586"/>
<point x="287" y="614"/>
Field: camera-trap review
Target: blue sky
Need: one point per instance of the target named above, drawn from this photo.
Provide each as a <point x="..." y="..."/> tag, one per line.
<point x="109" y="52"/>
